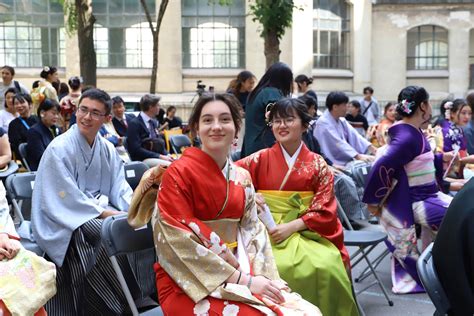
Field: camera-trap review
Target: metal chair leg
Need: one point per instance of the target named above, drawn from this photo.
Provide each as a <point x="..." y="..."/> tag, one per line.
<point x="382" y="287"/>
<point x="366" y="272"/>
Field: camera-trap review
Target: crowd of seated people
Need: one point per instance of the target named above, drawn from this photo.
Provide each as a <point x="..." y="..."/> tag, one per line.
<point x="295" y="167"/>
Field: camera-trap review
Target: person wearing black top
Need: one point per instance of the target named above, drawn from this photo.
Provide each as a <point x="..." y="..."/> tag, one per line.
<point x="241" y="87"/>
<point x="357" y="120"/>
<point x="171" y="120"/>
<point x="144" y="141"/>
<point x="19" y="127"/>
<point x="303" y="83"/>
<point x="120" y="119"/>
<point x="453" y="252"/>
<point x="42" y="133"/>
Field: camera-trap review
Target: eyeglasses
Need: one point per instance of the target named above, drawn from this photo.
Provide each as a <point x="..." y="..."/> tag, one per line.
<point x="95" y="115"/>
<point x="289" y="121"/>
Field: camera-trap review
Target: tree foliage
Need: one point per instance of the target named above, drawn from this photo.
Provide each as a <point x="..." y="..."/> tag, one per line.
<point x="70" y="12"/>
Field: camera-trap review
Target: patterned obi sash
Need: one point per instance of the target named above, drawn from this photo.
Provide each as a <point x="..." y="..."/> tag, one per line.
<point x="421" y="170"/>
<point x="226" y="229"/>
<point x="287" y="206"/>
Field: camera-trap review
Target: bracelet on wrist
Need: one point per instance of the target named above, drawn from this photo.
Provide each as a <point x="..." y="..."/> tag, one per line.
<point x="249" y="283"/>
<point x="240" y="275"/>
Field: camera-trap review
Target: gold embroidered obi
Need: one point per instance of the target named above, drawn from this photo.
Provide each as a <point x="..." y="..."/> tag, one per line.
<point x="226" y="229"/>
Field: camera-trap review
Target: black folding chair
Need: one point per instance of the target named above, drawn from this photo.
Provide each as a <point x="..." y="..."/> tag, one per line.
<point x="118" y="238"/>
<point x="366" y="241"/>
<point x="178" y="142"/>
<point x="134" y="171"/>
<point x="23" y="155"/>
<point x="19" y="187"/>
<point x="431" y="283"/>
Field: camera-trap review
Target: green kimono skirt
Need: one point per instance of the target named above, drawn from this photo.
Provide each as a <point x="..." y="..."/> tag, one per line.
<point x="310" y="264"/>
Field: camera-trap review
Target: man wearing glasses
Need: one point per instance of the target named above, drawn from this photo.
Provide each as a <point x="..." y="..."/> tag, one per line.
<point x="80" y="181"/>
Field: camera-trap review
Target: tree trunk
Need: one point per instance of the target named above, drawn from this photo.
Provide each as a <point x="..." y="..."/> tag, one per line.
<point x="154" y="69"/>
<point x="272" y="48"/>
<point x="156" y="39"/>
<point x="85" y="36"/>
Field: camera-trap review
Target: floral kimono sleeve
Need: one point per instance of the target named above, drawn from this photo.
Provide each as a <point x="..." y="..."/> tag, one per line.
<point x="254" y="234"/>
<point x="321" y="216"/>
<point x="187" y="249"/>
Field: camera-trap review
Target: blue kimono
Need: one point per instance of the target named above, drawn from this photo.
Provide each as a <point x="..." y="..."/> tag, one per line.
<point x="70" y="177"/>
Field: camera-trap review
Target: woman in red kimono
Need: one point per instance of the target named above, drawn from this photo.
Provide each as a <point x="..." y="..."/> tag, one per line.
<point x="214" y="254"/>
<point x="297" y="185"/>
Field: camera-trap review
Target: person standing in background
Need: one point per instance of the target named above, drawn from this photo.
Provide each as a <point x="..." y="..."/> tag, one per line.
<point x="8" y="73"/>
<point x="370" y="106"/>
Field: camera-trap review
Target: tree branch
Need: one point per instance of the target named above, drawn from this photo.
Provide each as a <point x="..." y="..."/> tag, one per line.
<point x="148" y="17"/>
<point x="161" y="13"/>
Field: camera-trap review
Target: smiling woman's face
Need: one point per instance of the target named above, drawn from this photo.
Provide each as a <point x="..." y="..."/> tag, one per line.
<point x="216" y="127"/>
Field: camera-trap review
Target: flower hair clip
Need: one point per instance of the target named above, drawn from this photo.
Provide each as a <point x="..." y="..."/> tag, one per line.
<point x="46" y="69"/>
<point x="406" y="106"/>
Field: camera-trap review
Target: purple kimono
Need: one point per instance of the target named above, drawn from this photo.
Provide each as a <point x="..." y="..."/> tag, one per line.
<point x="415" y="199"/>
<point x="453" y="136"/>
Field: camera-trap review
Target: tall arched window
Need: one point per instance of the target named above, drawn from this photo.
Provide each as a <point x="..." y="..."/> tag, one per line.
<point x="427" y="48"/>
<point x="213" y="35"/>
<point x="331" y="34"/>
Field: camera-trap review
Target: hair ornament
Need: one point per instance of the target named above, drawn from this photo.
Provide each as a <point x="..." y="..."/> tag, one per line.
<point x="268" y="109"/>
<point x="46" y="69"/>
<point x="406" y="106"/>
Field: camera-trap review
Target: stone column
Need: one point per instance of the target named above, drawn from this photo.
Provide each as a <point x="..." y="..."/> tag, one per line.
<point x="302" y="38"/>
<point x="170" y="49"/>
<point x="459" y="53"/>
<point x="361" y="43"/>
<point x="254" y="56"/>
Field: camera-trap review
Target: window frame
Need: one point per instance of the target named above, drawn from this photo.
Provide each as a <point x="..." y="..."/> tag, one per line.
<point x="335" y="57"/>
<point x="49" y="52"/>
<point x="233" y="51"/>
<point x="434" y="59"/>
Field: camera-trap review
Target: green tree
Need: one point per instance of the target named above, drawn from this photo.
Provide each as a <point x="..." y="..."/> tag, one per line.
<point x="155" y="31"/>
<point x="275" y="16"/>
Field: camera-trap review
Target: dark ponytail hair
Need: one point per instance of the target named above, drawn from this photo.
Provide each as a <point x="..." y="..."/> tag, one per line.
<point x="410" y="99"/>
<point x="47" y="70"/>
<point x="303" y="78"/>
<point x="236" y="84"/>
<point x="278" y="76"/>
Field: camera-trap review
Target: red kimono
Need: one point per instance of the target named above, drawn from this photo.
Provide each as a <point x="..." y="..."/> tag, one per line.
<point x="310" y="172"/>
<point x="200" y="212"/>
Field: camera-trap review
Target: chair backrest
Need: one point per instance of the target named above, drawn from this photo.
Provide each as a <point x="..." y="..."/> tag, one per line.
<point x="19" y="187"/>
<point x="343" y="217"/>
<point x="359" y="173"/>
<point x="118" y="237"/>
<point x="178" y="142"/>
<point x="23" y="153"/>
<point x="170" y="132"/>
<point x="134" y="171"/>
<point x="429" y="279"/>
